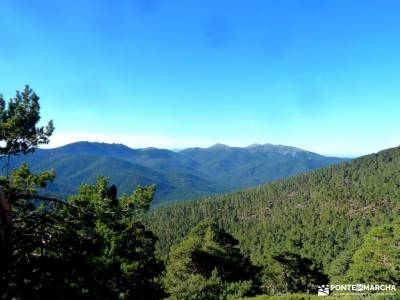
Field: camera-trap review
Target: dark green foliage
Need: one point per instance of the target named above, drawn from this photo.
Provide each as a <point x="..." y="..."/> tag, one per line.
<point x="18" y="127"/>
<point x="119" y="252"/>
<point x="378" y="258"/>
<point x="24" y="234"/>
<point x="300" y="274"/>
<point x="90" y="247"/>
<point x="207" y="264"/>
<point x="323" y="214"/>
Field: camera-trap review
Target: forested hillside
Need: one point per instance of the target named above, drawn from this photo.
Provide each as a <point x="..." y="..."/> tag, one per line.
<point x="179" y="175"/>
<point x="339" y="224"/>
<point x="323" y="214"/>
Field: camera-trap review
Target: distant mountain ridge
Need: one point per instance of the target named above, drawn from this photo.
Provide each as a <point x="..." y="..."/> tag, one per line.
<point x="184" y="174"/>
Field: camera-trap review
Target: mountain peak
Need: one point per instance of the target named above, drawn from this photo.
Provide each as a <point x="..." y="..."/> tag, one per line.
<point x="94" y="144"/>
<point x="281" y="149"/>
<point x="219" y="146"/>
<point x="254" y="145"/>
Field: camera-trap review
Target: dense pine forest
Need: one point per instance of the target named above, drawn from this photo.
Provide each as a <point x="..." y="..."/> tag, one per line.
<point x="323" y="214"/>
<point x="331" y="226"/>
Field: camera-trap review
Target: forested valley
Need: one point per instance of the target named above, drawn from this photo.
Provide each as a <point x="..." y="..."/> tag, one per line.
<point x="335" y="225"/>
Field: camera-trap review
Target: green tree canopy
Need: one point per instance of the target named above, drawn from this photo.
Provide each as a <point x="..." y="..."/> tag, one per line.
<point x="19" y="118"/>
<point x="378" y="259"/>
<point x="300" y="274"/>
<point x="91" y="247"/>
<point x="207" y="264"/>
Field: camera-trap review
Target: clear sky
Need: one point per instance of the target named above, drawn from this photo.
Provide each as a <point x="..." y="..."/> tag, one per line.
<point x="322" y="75"/>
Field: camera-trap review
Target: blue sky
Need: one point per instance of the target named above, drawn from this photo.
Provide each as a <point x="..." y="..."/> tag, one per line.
<point x="322" y="75"/>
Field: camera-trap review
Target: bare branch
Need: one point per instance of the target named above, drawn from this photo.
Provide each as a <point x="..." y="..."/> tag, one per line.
<point x="28" y="196"/>
<point x="40" y="197"/>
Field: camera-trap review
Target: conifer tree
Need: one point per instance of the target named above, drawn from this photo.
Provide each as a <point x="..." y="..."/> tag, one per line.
<point x="301" y="274"/>
<point x="91" y="246"/>
<point x="377" y="261"/>
<point x="207" y="264"/>
<point x="19" y="130"/>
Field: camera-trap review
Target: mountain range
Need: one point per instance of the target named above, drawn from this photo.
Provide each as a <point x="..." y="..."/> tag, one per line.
<point x="185" y="174"/>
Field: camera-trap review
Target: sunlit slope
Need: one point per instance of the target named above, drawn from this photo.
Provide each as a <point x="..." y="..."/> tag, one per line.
<point x="322" y="214"/>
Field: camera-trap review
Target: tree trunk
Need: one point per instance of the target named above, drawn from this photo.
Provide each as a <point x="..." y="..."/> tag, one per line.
<point x="5" y="219"/>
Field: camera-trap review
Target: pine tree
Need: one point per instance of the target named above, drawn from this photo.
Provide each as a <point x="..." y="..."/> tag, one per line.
<point x="19" y="130"/>
<point x="301" y="274"/>
<point x="377" y="261"/>
<point x="207" y="264"/>
<point x="91" y="246"/>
